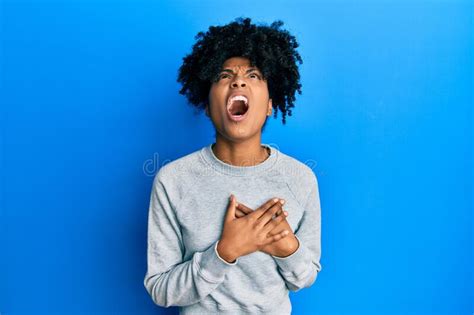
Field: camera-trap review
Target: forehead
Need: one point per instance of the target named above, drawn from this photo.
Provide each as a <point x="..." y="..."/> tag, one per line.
<point x="237" y="64"/>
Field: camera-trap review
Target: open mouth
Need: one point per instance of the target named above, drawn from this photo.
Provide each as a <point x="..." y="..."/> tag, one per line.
<point x="237" y="107"/>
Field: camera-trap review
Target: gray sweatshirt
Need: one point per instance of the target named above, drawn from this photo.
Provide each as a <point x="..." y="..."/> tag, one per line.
<point x="188" y="203"/>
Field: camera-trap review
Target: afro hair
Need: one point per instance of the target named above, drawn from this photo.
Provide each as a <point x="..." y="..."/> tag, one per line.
<point x="269" y="48"/>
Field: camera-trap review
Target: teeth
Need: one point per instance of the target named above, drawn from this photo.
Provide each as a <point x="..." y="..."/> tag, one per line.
<point x="238" y="98"/>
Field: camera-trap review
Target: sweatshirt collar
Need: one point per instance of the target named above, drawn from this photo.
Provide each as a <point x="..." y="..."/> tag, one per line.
<point x="211" y="159"/>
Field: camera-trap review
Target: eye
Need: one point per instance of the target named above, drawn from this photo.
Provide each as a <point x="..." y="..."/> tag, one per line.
<point x="255" y="75"/>
<point x="223" y="75"/>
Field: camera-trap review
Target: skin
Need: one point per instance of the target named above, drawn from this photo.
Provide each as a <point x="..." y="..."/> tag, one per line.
<point x="239" y="144"/>
<point x="248" y="234"/>
<point x="283" y="247"/>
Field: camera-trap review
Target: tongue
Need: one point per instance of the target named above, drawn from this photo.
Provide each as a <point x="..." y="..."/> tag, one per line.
<point x="238" y="108"/>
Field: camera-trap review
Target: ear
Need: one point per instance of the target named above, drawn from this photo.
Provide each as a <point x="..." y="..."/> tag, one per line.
<point x="270" y="107"/>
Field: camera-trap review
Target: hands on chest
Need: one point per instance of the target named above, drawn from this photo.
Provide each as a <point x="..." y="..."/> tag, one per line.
<point x="264" y="229"/>
<point x="286" y="245"/>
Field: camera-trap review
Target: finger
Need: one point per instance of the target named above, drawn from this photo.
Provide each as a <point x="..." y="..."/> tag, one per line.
<point x="278" y="227"/>
<point x="282" y="201"/>
<point x="280" y="211"/>
<point x="273" y="224"/>
<point x="277" y="237"/>
<point x="239" y="213"/>
<point x="261" y="210"/>
<point x="230" y="215"/>
<point x="244" y="208"/>
<point x="267" y="216"/>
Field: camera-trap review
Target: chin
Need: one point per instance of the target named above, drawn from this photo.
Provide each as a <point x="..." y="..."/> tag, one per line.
<point x="241" y="133"/>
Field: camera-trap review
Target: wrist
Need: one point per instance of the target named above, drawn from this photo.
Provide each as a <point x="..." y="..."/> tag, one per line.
<point x="292" y="247"/>
<point x="225" y="252"/>
<point x="295" y="245"/>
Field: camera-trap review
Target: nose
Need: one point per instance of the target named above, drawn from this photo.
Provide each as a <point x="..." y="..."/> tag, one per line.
<point x="238" y="82"/>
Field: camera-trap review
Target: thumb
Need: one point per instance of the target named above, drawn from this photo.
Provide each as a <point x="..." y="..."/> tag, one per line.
<point x="231" y="208"/>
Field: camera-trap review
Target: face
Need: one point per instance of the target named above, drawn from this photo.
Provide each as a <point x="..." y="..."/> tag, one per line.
<point x="237" y="76"/>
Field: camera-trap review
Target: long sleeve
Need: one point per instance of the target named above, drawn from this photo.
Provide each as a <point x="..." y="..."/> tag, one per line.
<point x="300" y="269"/>
<point x="169" y="280"/>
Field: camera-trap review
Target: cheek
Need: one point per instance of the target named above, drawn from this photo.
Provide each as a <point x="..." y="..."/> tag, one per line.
<point x="261" y="108"/>
<point x="213" y="105"/>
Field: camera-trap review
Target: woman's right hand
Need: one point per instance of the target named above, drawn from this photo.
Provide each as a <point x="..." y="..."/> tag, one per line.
<point x="245" y="235"/>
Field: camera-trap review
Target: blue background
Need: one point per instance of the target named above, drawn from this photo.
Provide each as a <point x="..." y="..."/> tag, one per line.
<point x="90" y="110"/>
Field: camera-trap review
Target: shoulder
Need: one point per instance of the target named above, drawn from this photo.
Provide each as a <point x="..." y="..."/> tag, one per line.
<point x="299" y="175"/>
<point x="177" y="176"/>
<point x="298" y="170"/>
<point x="179" y="167"/>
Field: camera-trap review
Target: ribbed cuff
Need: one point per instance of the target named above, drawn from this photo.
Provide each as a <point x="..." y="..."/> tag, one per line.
<point x="295" y="263"/>
<point x="212" y="267"/>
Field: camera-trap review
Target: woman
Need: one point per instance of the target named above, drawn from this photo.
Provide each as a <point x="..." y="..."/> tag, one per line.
<point x="208" y="253"/>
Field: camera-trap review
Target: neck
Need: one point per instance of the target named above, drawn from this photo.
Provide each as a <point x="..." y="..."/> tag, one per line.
<point x="245" y="153"/>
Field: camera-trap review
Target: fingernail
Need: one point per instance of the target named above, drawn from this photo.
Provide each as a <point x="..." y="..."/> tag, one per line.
<point x="282" y="201"/>
<point x="286" y="213"/>
<point x="275" y="199"/>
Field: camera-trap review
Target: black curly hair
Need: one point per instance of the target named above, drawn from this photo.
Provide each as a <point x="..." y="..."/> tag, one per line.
<point x="269" y="48"/>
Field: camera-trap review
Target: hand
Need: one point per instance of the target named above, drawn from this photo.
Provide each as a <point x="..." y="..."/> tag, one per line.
<point x="283" y="247"/>
<point x="242" y="236"/>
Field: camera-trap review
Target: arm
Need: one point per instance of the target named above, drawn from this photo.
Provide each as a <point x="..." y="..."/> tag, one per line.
<point x="300" y="269"/>
<point x="169" y="280"/>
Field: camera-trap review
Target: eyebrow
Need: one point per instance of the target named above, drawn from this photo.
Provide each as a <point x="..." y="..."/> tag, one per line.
<point x="249" y="70"/>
